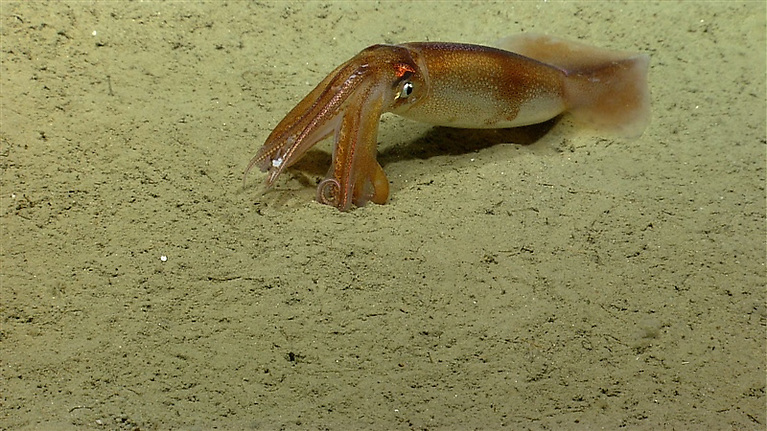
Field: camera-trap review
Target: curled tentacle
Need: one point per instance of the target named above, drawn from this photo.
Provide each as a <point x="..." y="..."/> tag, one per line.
<point x="328" y="191"/>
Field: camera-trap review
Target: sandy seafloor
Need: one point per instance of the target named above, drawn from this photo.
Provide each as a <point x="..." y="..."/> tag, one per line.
<point x="544" y="278"/>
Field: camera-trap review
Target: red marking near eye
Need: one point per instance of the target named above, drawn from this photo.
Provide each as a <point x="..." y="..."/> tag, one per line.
<point x="402" y="69"/>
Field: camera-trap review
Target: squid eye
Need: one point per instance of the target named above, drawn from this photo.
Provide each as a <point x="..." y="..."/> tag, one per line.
<point x="406" y="90"/>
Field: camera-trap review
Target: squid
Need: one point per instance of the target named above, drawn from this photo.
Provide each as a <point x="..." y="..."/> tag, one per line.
<point x="524" y="79"/>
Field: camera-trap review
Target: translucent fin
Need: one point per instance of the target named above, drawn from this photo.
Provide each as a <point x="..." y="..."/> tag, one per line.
<point x="604" y="89"/>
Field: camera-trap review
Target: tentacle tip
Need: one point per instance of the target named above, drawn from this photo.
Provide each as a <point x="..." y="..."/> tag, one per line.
<point x="328" y="192"/>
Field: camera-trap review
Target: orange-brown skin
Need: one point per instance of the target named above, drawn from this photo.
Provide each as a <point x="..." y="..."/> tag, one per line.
<point x="454" y="85"/>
